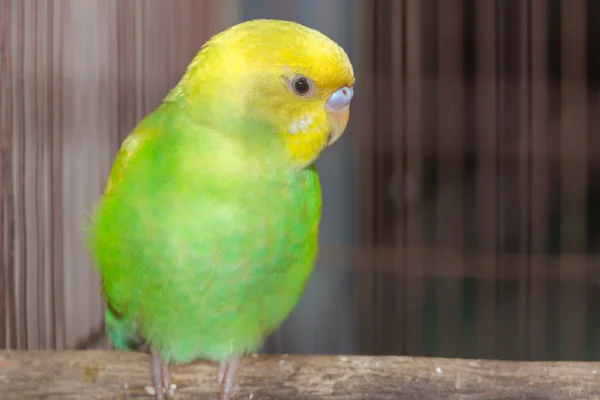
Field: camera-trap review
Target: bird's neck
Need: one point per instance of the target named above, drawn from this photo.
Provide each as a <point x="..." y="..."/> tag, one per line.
<point x="253" y="140"/>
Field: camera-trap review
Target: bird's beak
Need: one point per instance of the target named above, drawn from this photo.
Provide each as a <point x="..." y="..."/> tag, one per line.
<point x="338" y="112"/>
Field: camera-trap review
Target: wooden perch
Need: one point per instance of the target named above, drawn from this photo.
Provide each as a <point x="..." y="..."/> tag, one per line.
<point x="122" y="375"/>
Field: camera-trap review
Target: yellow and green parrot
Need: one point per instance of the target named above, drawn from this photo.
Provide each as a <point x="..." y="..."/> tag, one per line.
<point x="207" y="232"/>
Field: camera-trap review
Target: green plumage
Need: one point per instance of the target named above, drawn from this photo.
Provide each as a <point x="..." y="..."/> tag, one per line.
<point x="204" y="240"/>
<point x="207" y="232"/>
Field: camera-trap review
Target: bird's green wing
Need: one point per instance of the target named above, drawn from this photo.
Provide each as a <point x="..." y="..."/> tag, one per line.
<point x="128" y="149"/>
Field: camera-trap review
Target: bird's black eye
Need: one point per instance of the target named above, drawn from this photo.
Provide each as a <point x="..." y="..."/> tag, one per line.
<point x="301" y="85"/>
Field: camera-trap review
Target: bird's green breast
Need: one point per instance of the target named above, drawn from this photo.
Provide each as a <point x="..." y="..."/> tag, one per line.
<point x="205" y="263"/>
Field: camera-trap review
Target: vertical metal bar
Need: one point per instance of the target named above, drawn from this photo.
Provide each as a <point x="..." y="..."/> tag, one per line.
<point x="366" y="102"/>
<point x="573" y="145"/>
<point x="381" y="131"/>
<point x="58" y="260"/>
<point x="538" y="208"/>
<point x="19" y="153"/>
<point x="7" y="18"/>
<point x="397" y="115"/>
<point x="414" y="158"/>
<point x="487" y="191"/>
<point x="40" y="212"/>
<point x="451" y="152"/>
<point x="523" y="150"/>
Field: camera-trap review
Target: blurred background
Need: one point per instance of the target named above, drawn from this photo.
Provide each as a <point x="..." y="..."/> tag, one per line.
<point x="461" y="209"/>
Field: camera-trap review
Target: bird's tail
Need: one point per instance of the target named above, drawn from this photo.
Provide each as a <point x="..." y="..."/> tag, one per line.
<point x="122" y="333"/>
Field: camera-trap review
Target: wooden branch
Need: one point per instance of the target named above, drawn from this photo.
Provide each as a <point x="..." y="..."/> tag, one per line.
<point x="119" y="375"/>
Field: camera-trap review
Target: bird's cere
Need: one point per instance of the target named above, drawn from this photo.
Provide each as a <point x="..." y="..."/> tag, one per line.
<point x="338" y="111"/>
<point x="340" y="99"/>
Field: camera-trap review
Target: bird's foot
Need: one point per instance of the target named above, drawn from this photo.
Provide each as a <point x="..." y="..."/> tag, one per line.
<point x="227" y="373"/>
<point x="161" y="378"/>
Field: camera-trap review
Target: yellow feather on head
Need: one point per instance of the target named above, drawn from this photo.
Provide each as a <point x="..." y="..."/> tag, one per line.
<point x="254" y="68"/>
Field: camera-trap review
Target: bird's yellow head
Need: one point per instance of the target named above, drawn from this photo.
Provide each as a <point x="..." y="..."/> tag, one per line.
<point x="276" y="74"/>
